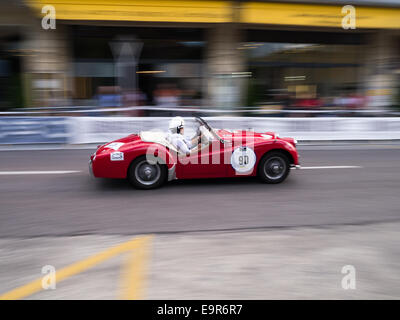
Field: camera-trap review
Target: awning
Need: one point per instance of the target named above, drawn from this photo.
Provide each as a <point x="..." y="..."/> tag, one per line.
<point x="199" y="11"/>
<point x="139" y="10"/>
<point x="314" y="15"/>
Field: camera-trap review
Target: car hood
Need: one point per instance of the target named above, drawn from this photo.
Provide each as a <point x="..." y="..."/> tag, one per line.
<point x="228" y="134"/>
<point x="259" y="137"/>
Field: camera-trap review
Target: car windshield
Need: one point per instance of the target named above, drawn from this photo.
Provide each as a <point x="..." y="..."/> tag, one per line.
<point x="202" y="122"/>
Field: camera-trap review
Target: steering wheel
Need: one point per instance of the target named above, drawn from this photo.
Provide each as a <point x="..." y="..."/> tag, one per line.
<point x="205" y="135"/>
<point x="199" y="135"/>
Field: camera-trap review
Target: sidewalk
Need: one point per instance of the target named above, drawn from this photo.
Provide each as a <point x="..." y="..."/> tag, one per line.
<point x="282" y="263"/>
<point x="303" y="263"/>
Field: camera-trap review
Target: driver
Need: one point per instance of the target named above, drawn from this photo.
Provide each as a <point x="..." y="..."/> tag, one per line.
<point x="176" y="137"/>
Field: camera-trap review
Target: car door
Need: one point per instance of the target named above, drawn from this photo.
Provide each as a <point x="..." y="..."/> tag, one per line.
<point x="240" y="156"/>
<point x="208" y="162"/>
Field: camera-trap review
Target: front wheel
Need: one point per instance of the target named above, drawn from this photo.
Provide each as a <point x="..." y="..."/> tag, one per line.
<point x="145" y="175"/>
<point x="273" y="168"/>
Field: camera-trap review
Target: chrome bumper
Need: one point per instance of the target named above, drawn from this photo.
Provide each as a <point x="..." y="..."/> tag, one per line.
<point x="295" y="166"/>
<point x="171" y="173"/>
<point x="90" y="168"/>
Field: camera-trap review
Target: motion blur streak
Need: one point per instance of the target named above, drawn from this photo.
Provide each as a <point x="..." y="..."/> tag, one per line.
<point x="78" y="74"/>
<point x="77" y="204"/>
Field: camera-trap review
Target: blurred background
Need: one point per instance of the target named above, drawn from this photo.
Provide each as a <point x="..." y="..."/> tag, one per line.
<point x="245" y="56"/>
<point x="104" y="69"/>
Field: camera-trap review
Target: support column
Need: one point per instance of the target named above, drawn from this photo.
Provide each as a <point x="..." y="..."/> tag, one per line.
<point x="225" y="82"/>
<point x="47" y="66"/>
<point x="381" y="70"/>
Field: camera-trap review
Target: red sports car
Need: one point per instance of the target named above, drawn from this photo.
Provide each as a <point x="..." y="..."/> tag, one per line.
<point x="148" y="159"/>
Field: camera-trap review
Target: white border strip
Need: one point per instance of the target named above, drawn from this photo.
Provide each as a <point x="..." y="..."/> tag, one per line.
<point x="331" y="167"/>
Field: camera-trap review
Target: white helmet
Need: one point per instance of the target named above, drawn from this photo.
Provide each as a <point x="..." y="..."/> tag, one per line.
<point x="176" y="124"/>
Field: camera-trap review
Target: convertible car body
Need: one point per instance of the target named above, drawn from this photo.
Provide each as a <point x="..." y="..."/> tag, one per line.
<point x="148" y="159"/>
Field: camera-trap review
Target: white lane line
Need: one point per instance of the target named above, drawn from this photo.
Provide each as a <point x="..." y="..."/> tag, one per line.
<point x="331" y="167"/>
<point x="6" y="173"/>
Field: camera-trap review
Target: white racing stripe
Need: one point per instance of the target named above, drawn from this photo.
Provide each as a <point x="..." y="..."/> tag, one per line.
<point x="6" y="173"/>
<point x="331" y="167"/>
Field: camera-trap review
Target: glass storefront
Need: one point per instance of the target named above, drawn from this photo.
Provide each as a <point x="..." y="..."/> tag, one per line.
<point x="301" y="71"/>
<point x="302" y="75"/>
<point x="164" y="65"/>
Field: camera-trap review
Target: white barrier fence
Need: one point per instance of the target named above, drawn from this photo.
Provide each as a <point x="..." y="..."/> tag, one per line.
<point x="91" y="110"/>
<point x="101" y="129"/>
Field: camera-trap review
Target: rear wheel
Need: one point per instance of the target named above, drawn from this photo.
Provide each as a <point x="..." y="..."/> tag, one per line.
<point x="145" y="175"/>
<point x="274" y="167"/>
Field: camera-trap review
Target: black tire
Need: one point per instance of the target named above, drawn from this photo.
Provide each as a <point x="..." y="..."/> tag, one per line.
<point x="274" y="167"/>
<point x="144" y="175"/>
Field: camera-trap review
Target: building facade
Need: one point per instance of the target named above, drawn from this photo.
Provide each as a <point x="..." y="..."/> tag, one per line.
<point x="219" y="54"/>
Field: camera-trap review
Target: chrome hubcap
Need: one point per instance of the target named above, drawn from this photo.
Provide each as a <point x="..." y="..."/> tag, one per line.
<point x="275" y="168"/>
<point x="146" y="173"/>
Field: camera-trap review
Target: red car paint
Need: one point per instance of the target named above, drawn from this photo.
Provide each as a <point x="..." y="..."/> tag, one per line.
<point x="204" y="164"/>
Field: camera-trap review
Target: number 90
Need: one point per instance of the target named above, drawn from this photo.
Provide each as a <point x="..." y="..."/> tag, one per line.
<point x="243" y="160"/>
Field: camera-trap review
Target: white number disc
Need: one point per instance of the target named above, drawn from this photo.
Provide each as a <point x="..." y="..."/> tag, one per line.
<point x="243" y="159"/>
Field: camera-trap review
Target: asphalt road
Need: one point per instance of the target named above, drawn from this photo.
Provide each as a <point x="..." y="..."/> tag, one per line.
<point x="75" y="203"/>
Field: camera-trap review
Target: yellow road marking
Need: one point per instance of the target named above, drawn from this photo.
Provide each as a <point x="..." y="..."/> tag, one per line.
<point x="134" y="273"/>
<point x="75" y="268"/>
